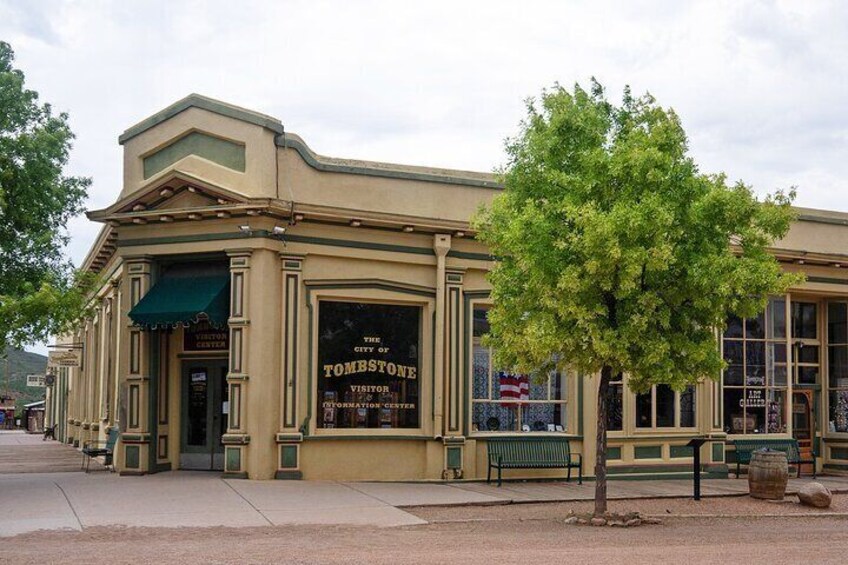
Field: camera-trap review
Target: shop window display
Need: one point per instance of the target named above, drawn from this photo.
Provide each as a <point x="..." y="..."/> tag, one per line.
<point x="503" y="401"/>
<point x="368" y="365"/>
<point x="755" y="380"/>
<point x="837" y="378"/>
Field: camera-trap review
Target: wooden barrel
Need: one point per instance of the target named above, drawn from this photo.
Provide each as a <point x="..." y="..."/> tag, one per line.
<point x="768" y="474"/>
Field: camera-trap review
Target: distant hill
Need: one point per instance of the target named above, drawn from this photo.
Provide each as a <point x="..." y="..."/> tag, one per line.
<point x="21" y="364"/>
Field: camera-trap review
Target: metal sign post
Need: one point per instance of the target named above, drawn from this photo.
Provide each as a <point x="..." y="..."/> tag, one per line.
<point x="695" y="444"/>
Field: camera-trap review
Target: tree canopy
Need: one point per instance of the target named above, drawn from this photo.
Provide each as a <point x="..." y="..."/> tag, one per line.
<point x="40" y="293"/>
<point x="616" y="255"/>
<point x="614" y="250"/>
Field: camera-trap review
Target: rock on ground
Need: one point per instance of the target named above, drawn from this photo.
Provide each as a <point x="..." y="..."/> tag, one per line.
<point x="815" y="494"/>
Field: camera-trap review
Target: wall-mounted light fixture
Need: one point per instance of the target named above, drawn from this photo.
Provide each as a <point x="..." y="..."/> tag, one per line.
<point x="245" y="229"/>
<point x="355" y="223"/>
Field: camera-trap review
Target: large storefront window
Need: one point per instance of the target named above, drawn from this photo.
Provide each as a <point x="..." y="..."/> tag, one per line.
<point x="837" y="377"/>
<point x="755" y="380"/>
<point x="615" y="404"/>
<point x="368" y="365"/>
<point x="508" y="402"/>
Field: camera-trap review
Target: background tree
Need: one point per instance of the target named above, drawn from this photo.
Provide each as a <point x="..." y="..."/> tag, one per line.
<point x="615" y="254"/>
<point x="40" y="294"/>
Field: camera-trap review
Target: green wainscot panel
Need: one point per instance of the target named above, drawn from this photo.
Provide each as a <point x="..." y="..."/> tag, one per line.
<point x="454" y="457"/>
<point x="220" y="151"/>
<point x="647" y="452"/>
<point x="288" y="457"/>
<point x="680" y="451"/>
<point x="614" y="453"/>
<point x="233" y="459"/>
<point x="839" y="453"/>
<point x="132" y="456"/>
<point x="718" y="452"/>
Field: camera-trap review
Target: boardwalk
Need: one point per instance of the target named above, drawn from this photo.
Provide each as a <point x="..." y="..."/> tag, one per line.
<point x="27" y="453"/>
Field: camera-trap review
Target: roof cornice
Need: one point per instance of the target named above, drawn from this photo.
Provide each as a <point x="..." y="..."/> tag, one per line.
<point x="204" y="103"/>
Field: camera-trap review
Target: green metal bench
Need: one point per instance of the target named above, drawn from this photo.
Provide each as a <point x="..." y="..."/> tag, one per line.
<point x="745" y="449"/>
<point x="95" y="448"/>
<point x="532" y="452"/>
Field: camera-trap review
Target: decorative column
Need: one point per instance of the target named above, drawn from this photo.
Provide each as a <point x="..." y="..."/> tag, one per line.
<point x="133" y="414"/>
<point x="441" y="246"/>
<point x="453" y="440"/>
<point x="236" y="439"/>
<point x="289" y="438"/>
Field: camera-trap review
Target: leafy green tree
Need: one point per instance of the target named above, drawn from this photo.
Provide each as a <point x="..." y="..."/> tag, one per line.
<point x="615" y="254"/>
<point x="40" y="294"/>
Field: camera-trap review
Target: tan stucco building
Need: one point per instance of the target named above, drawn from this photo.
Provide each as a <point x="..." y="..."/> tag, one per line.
<point x="271" y="312"/>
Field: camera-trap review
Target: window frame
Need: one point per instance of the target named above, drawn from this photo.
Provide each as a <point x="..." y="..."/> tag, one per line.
<point x="561" y="373"/>
<point x="675" y="406"/>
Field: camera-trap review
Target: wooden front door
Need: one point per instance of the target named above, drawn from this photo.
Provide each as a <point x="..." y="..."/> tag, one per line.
<point x="803" y="428"/>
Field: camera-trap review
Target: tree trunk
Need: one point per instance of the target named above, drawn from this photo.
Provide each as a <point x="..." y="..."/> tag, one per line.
<point x="601" y="443"/>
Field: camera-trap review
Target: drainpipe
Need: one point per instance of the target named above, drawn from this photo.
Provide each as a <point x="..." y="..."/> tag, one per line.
<point x="441" y="245"/>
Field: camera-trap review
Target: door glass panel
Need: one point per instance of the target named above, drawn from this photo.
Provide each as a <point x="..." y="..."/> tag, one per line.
<point x="198" y="391"/>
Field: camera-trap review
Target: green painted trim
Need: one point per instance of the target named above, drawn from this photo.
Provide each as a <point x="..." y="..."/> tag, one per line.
<point x="288" y="438"/>
<point x="469" y="255"/>
<point x="378" y="169"/>
<point x="827" y="280"/>
<point x="454" y="424"/>
<point x="232" y="457"/>
<point x="718" y="452"/>
<point x="370" y="284"/>
<point x="367" y="437"/>
<point x="821" y="219"/>
<point x="835" y="467"/>
<point x="454" y="457"/>
<point x="292" y="284"/>
<point x="221" y="151"/>
<point x="613" y="453"/>
<point x="288" y="475"/>
<point x="360" y="244"/>
<point x="265" y="234"/>
<point x="839" y="453"/>
<point x="232" y="475"/>
<point x="288" y="457"/>
<point x="580" y="401"/>
<point x="659" y="468"/>
<point x="647" y="452"/>
<point x="680" y="451"/>
<point x="132" y="456"/>
<point x="204" y="103"/>
<point x="304" y="427"/>
<point x="668" y="476"/>
<point x="162" y="467"/>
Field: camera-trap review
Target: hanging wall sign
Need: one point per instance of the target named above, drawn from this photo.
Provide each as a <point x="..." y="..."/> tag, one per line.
<point x="64" y="358"/>
<point x="368" y="365"/>
<point x="203" y="337"/>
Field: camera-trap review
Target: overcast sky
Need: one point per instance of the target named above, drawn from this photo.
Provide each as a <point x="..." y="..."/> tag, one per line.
<point x="761" y="86"/>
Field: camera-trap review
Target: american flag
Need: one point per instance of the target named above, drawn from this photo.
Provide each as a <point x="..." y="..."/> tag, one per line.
<point x="514" y="387"/>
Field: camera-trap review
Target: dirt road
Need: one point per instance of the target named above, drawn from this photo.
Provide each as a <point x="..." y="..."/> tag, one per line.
<point x="482" y="535"/>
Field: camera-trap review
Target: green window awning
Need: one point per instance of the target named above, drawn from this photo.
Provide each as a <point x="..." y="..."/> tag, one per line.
<point x="176" y="301"/>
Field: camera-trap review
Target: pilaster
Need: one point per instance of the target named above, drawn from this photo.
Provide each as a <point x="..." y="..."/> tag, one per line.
<point x="133" y="414"/>
<point x="288" y="438"/>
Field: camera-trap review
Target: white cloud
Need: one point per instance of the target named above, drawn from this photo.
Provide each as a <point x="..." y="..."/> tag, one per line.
<point x="760" y="86"/>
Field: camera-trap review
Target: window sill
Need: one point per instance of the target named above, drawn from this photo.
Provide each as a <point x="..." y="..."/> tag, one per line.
<point x="484" y="435"/>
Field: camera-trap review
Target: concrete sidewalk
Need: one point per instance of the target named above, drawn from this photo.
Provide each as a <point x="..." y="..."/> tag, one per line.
<point x="50" y="501"/>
